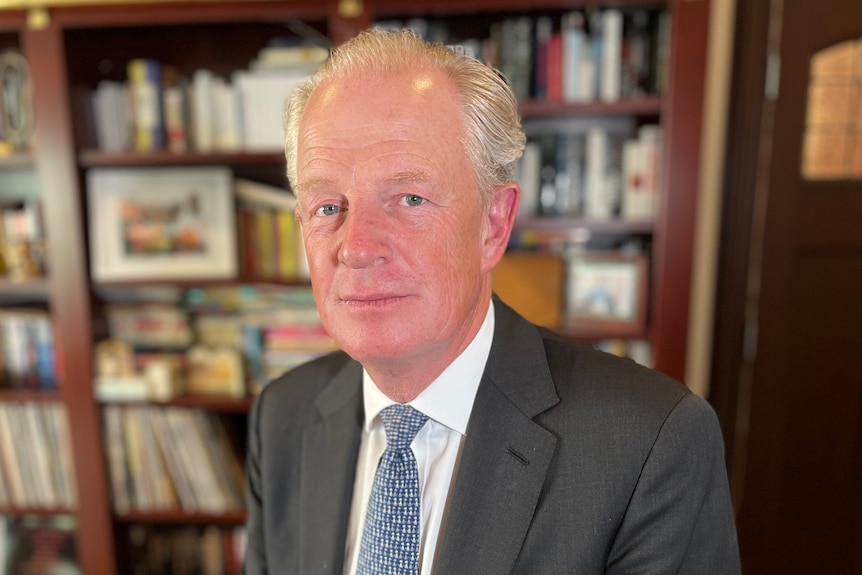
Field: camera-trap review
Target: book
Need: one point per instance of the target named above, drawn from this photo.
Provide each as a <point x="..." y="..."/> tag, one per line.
<point x="202" y="110"/>
<point x="304" y="56"/>
<point x="596" y="204"/>
<point x="662" y="52"/>
<point x="197" y="469"/>
<point x="574" y="40"/>
<point x="27" y="348"/>
<point x="114" y="125"/>
<point x="222" y="462"/>
<point x="555" y="67"/>
<point x="157" y="477"/>
<point x="572" y="161"/>
<point x="263" y="195"/>
<point x="262" y="97"/>
<point x="227" y="116"/>
<point x="175" y="461"/>
<point x="140" y="493"/>
<point x="264" y="225"/>
<point x="145" y="84"/>
<point x="637" y="65"/>
<point x="611" y="62"/>
<point x="24" y="449"/>
<point x="215" y="371"/>
<point x="41" y="457"/>
<point x="149" y="325"/>
<point x="118" y="471"/>
<point x="9" y="459"/>
<point x="541" y="72"/>
<point x="548" y="191"/>
<point x="62" y="458"/>
<point x="288" y="246"/>
<point x="528" y="176"/>
<point x="175" y="105"/>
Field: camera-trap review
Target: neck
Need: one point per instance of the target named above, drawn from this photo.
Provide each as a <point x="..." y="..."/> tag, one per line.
<point x="402" y="382"/>
<point x="403" y="379"/>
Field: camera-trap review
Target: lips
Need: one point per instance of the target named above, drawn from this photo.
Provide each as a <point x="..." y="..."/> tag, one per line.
<point x="371" y="301"/>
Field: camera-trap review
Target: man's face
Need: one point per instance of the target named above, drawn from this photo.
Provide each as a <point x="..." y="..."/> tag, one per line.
<point x="395" y="234"/>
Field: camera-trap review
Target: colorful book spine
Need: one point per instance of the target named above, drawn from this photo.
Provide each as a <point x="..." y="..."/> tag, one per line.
<point x="145" y="84"/>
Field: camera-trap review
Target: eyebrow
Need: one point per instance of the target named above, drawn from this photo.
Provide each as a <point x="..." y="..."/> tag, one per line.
<point x="409" y="177"/>
<point x="406" y="177"/>
<point x="312" y="183"/>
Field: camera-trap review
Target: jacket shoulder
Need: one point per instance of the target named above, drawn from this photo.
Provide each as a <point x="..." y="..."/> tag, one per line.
<point x="294" y="393"/>
<point x="606" y="384"/>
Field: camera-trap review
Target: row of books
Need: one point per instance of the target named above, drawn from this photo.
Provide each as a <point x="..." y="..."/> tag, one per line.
<point x="596" y="174"/>
<point x="208" y="344"/>
<point x="163" y="458"/>
<point x="270" y="244"/>
<point x="186" y="550"/>
<point x="576" y="56"/>
<point x="274" y="333"/>
<point x="27" y="344"/>
<point x="36" y="469"/>
<point x="158" y="109"/>
<point x="38" y="545"/>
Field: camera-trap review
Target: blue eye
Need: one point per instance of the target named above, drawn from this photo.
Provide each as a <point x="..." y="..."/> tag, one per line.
<point x="328" y="210"/>
<point x="414" y="200"/>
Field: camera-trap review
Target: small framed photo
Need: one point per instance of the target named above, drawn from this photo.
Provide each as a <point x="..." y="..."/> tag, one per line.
<point x="161" y="224"/>
<point x="606" y="293"/>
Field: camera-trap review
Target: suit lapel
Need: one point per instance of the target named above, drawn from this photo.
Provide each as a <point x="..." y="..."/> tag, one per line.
<point x="505" y="457"/>
<point x="329" y="450"/>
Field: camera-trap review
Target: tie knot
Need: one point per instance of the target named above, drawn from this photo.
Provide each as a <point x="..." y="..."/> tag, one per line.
<point x="402" y="423"/>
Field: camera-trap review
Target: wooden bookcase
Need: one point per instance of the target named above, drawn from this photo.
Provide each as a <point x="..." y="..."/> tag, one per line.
<point x="66" y="45"/>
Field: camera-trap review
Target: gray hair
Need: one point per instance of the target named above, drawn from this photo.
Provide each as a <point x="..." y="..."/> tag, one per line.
<point x="493" y="137"/>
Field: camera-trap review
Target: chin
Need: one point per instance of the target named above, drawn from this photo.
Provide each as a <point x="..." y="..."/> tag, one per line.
<point x="371" y="347"/>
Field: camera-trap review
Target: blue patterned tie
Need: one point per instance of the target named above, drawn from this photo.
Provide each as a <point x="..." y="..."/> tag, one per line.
<point x="390" y="538"/>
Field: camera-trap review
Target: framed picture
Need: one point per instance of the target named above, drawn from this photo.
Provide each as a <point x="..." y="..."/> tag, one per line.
<point x="606" y="293"/>
<point x="161" y="223"/>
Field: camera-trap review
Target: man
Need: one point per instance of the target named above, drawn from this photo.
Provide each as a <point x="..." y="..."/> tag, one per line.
<point x="533" y="454"/>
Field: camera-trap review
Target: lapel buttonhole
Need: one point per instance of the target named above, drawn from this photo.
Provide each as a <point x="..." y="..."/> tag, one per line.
<point x="524" y="461"/>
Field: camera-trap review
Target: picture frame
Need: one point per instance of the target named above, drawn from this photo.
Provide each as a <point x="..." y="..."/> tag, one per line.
<point x="150" y="224"/>
<point x="606" y="294"/>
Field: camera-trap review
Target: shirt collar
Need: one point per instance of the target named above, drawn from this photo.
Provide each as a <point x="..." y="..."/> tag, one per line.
<point x="449" y="399"/>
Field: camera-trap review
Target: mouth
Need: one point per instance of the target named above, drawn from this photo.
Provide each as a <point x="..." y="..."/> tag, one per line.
<point x="371" y="300"/>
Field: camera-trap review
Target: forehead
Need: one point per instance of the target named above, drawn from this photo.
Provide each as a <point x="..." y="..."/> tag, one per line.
<point x="419" y="97"/>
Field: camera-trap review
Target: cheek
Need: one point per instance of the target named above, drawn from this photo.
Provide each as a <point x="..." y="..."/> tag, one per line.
<point x="319" y="258"/>
<point x="459" y="253"/>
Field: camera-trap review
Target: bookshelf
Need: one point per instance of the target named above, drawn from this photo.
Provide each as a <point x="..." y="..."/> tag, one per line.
<point x="75" y="47"/>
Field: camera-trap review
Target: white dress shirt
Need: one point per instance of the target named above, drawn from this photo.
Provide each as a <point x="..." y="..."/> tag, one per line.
<point x="447" y="402"/>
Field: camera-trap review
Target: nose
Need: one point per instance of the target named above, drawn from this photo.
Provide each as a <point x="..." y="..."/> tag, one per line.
<point x="364" y="238"/>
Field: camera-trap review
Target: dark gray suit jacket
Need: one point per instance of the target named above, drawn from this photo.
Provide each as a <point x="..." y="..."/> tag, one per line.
<point x="575" y="461"/>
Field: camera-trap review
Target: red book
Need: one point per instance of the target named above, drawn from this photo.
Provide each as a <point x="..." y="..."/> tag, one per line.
<point x="555" y="68"/>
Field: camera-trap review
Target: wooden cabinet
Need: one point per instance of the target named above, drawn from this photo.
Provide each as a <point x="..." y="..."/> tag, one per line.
<point x="71" y="48"/>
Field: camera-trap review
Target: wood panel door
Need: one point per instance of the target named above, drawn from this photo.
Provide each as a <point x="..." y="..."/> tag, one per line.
<point x="800" y="506"/>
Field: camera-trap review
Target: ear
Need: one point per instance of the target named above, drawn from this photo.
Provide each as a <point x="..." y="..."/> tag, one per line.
<point x="499" y="220"/>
